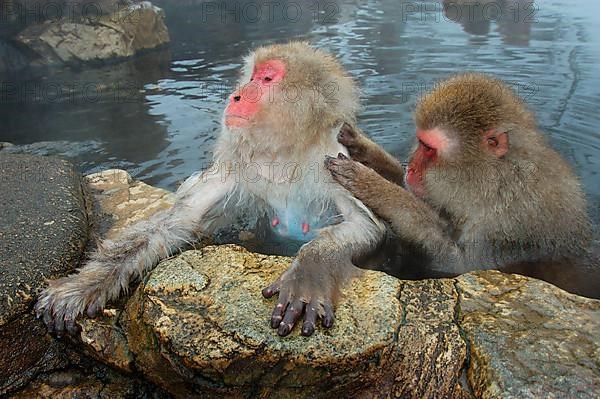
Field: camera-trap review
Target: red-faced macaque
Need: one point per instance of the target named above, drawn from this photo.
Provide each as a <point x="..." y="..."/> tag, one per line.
<point x="482" y="188"/>
<point x="276" y="130"/>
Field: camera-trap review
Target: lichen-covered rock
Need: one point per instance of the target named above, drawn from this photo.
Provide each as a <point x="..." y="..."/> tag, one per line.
<point x="120" y="202"/>
<point x="529" y="339"/>
<point x="199" y="326"/>
<point x="125" y="201"/>
<point x="122" y="33"/>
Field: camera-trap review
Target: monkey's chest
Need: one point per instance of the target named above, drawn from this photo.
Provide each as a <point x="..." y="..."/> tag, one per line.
<point x="300" y="221"/>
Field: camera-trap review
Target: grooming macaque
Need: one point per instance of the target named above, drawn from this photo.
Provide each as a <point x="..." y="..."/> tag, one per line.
<point x="482" y="188"/>
<point x="276" y="131"/>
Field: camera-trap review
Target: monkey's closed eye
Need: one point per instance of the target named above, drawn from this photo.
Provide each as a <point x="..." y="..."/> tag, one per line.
<point x="429" y="150"/>
<point x="268" y="79"/>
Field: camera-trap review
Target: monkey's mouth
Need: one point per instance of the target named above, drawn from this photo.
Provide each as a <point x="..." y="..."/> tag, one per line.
<point x="236" y="120"/>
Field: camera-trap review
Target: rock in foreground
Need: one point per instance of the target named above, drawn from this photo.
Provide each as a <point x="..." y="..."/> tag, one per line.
<point x="198" y="327"/>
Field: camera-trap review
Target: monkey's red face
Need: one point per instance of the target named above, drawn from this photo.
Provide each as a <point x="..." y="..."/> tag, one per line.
<point x="245" y="102"/>
<point x="430" y="144"/>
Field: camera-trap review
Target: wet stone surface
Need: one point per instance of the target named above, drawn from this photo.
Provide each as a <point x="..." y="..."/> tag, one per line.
<point x="43" y="230"/>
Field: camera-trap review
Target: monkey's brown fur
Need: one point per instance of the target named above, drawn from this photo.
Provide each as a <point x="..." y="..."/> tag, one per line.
<point x="470" y="104"/>
<point x="478" y="211"/>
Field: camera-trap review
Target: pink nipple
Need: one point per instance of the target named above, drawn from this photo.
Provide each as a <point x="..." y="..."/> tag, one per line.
<point x="275" y="222"/>
<point x="305" y="228"/>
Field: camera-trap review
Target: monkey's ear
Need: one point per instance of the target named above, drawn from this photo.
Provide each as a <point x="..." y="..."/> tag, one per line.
<point x="496" y="142"/>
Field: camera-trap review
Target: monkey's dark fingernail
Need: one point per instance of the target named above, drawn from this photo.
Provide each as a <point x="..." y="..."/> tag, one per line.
<point x="93" y="309"/>
<point x="284" y="329"/>
<point x="310" y="319"/>
<point x="328" y="316"/>
<point x="70" y="326"/>
<point x="307" y="329"/>
<point x="276" y="321"/>
<point x="277" y="314"/>
<point x="328" y="160"/>
<point x="47" y="317"/>
<point x="50" y="325"/>
<point x="59" y="326"/>
<point x="269" y="291"/>
<point x="292" y="314"/>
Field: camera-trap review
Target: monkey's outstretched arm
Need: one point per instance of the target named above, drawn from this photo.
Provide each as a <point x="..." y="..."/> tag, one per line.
<point x="135" y="252"/>
<point x="410" y="218"/>
<point x="369" y="153"/>
<point x="311" y="285"/>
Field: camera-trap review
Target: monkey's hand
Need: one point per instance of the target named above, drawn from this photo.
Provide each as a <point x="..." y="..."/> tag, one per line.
<point x="356" y="142"/>
<point x="376" y="192"/>
<point x="65" y="299"/>
<point x="303" y="289"/>
<point x="367" y="152"/>
<point x="353" y="176"/>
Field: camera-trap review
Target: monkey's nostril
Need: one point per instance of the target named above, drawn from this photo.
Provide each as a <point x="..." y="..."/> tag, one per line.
<point x="237" y="98"/>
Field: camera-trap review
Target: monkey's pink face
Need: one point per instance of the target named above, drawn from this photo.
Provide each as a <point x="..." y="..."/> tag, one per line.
<point x="430" y="144"/>
<point x="245" y="102"/>
<point x="435" y="143"/>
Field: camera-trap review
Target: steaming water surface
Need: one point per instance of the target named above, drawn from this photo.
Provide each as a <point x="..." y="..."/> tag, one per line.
<point x="157" y="116"/>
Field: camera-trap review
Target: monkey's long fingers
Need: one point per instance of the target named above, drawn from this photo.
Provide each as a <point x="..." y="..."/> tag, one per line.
<point x="328" y="160"/>
<point x="328" y="316"/>
<point x="59" y="326"/>
<point x="346" y="135"/>
<point x="310" y="319"/>
<point x="271" y="290"/>
<point x="277" y="315"/>
<point x="70" y="325"/>
<point x="49" y="321"/>
<point x="94" y="308"/>
<point x="42" y="312"/>
<point x="343" y="170"/>
<point x="292" y="314"/>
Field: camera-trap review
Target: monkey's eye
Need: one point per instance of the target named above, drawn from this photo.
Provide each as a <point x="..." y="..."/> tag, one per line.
<point x="429" y="151"/>
<point x="267" y="79"/>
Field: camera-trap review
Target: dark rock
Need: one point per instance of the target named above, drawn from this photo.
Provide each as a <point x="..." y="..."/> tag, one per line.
<point x="43" y="231"/>
<point x="88" y="382"/>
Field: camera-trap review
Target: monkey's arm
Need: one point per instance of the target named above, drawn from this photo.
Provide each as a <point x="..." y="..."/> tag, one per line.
<point x="410" y="218"/>
<point x="369" y="153"/>
<point x="135" y="252"/>
<point x="322" y="266"/>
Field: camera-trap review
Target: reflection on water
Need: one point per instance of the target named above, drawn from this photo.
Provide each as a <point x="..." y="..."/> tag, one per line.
<point x="158" y="115"/>
<point x="512" y="17"/>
